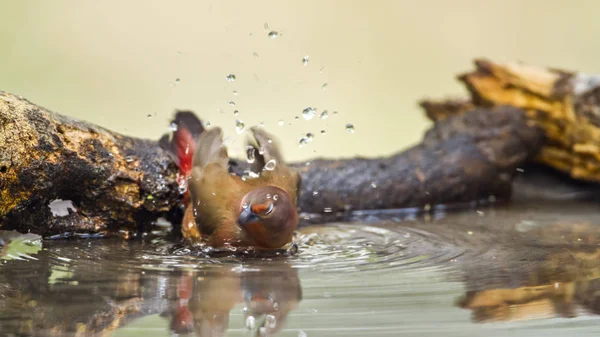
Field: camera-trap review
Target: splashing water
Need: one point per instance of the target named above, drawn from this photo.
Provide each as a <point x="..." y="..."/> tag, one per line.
<point x="308" y="113"/>
<point x="270" y="165"/>
<point x="305" y="60"/>
<point x="239" y="126"/>
<point x="303" y="141"/>
<point x="250" y="154"/>
<point x="230" y="78"/>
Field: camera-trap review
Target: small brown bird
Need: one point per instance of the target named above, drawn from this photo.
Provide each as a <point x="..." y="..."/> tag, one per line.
<point x="227" y="210"/>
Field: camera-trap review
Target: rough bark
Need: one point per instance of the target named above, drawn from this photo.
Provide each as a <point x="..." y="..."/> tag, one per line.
<point x="565" y="104"/>
<point x="114" y="181"/>
<point x="119" y="182"/>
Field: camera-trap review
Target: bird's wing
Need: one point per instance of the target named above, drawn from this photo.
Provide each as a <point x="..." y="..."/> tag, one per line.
<point x="214" y="191"/>
<point x="270" y="164"/>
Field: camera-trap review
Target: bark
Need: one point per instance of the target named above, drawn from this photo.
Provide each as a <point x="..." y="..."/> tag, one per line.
<point x="114" y="181"/>
<point x="564" y="104"/>
<point x="122" y="183"/>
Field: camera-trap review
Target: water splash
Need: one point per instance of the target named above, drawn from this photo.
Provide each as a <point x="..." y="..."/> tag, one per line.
<point x="230" y="78"/>
<point x="305" y="60"/>
<point x="239" y="126"/>
<point x="308" y="113"/>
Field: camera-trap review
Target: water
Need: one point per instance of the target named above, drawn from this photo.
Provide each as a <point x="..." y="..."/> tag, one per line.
<point x="521" y="270"/>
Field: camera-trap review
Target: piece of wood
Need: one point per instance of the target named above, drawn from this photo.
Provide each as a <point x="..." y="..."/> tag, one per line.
<point x="117" y="182"/>
<point x="565" y="104"/>
<point x="114" y="181"/>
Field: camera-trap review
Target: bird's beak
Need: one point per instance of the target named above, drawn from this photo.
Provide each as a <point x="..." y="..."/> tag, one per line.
<point x="247" y="217"/>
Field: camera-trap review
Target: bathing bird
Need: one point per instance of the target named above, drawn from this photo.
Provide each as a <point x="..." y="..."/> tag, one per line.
<point x="223" y="209"/>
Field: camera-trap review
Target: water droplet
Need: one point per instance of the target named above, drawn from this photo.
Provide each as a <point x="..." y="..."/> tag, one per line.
<point x="250" y="323"/>
<point x="270" y="321"/>
<point x="296" y="118"/>
<point x="249" y="175"/>
<point x="280" y="123"/>
<point x="350" y="128"/>
<point x="470" y="232"/>
<point x="149" y="115"/>
<point x="305" y="60"/>
<point x="324" y="114"/>
<point x="310" y="137"/>
<point x="239" y="126"/>
<point x="480" y="213"/>
<point x="177" y="80"/>
<point x="327" y="210"/>
<point x="373" y="184"/>
<point x="308" y="113"/>
<point x="235" y="93"/>
<point x="273" y="34"/>
<point x="261" y="150"/>
<point x="129" y="159"/>
<point x="275" y="305"/>
<point x="182" y="187"/>
<point x="335" y="112"/>
<point x="230" y="78"/>
<point x="269" y="140"/>
<point x="173" y="127"/>
<point x="315" y="192"/>
<point x="261" y="124"/>
<point x="270" y="165"/>
<point x="324" y="86"/>
<point x="323" y="132"/>
<point x="250" y="154"/>
<point x="236" y="112"/>
<point x="303" y="141"/>
<point x="207" y="124"/>
<point x="232" y="103"/>
<point x="275" y="197"/>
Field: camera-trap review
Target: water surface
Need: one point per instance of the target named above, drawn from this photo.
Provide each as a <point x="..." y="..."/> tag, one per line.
<point x="513" y="270"/>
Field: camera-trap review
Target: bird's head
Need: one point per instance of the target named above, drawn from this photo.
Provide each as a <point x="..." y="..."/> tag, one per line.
<point x="269" y="216"/>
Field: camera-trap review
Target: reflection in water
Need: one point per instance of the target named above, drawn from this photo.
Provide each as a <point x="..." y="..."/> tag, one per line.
<point x="513" y="262"/>
<point x="95" y="287"/>
<point x="204" y="301"/>
<point x="550" y="271"/>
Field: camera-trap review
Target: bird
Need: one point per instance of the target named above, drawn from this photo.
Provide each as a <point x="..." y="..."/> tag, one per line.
<point x="224" y="209"/>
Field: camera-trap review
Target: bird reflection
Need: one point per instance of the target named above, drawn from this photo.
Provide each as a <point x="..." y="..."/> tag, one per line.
<point x="205" y="299"/>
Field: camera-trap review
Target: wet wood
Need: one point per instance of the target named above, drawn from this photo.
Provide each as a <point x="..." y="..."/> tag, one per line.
<point x="565" y="104"/>
<point x="114" y="181"/>
<point x="117" y="182"/>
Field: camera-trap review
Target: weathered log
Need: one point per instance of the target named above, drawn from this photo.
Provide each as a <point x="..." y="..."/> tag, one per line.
<point x="119" y="182"/>
<point x="468" y="158"/>
<point x="565" y="104"/>
<point x="113" y="180"/>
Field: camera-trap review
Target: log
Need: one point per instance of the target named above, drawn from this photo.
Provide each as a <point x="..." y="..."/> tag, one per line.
<point x="119" y="183"/>
<point x="113" y="181"/>
<point x="564" y="104"/>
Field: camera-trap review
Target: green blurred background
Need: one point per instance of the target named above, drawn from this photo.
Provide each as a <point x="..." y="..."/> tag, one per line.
<point x="116" y="62"/>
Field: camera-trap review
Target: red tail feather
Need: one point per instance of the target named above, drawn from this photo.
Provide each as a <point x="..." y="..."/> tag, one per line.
<point x="184" y="149"/>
